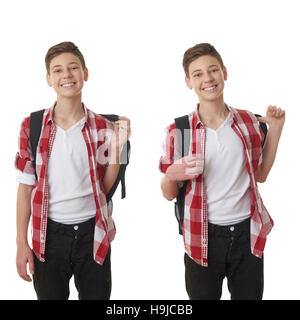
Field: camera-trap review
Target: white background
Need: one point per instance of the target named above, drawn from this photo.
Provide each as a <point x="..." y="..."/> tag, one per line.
<point x="134" y="50"/>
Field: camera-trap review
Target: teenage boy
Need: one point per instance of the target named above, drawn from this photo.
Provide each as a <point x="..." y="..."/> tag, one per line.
<point x="77" y="162"/>
<point x="225" y="222"/>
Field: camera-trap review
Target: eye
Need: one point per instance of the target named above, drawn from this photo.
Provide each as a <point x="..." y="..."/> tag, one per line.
<point x="196" y="75"/>
<point x="57" y="70"/>
<point x="215" y="70"/>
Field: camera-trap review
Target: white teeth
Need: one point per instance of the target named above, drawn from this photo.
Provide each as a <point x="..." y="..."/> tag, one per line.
<point x="67" y="85"/>
<point x="210" y="88"/>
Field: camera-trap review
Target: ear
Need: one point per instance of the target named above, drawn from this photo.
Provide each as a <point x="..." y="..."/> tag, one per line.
<point x="85" y="74"/>
<point x="225" y="73"/>
<point x="188" y="83"/>
<point x="48" y="80"/>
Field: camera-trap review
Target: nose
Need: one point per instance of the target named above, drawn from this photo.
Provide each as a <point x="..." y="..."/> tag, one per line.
<point x="208" y="77"/>
<point x="67" y="73"/>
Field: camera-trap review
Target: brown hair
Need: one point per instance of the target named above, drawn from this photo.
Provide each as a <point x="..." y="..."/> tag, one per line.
<point x="61" y="48"/>
<point x="197" y="51"/>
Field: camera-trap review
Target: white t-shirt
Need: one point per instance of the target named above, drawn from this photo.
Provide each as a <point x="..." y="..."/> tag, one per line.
<point x="225" y="176"/>
<point x="71" y="197"/>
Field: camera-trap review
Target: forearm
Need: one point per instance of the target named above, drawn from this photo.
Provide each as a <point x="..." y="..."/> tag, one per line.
<point x="186" y="168"/>
<point x="23" y="213"/>
<point x="269" y="153"/>
<point x="169" y="188"/>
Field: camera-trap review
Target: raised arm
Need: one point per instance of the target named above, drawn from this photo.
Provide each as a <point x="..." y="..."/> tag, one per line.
<point x="275" y="118"/>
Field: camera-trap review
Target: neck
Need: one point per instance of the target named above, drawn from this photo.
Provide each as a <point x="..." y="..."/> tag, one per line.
<point x="68" y="109"/>
<point x="212" y="110"/>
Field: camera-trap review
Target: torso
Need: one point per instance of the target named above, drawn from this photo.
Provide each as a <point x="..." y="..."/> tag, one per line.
<point x="226" y="178"/>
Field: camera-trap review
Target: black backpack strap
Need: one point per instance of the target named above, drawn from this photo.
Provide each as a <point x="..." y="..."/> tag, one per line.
<point x="263" y="127"/>
<point x="124" y="160"/>
<point x="36" y="122"/>
<point x="182" y="123"/>
<point x="110" y="117"/>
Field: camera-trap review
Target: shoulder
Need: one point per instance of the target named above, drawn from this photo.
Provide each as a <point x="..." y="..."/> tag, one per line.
<point x="191" y="117"/>
<point x="171" y="131"/>
<point x="26" y="122"/>
<point x="45" y="113"/>
<point x="244" y="115"/>
<point x="99" y="122"/>
<point x="24" y="128"/>
<point x="171" y="127"/>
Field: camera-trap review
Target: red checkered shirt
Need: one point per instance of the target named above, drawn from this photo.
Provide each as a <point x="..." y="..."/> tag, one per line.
<point x="96" y="132"/>
<point x="195" y="224"/>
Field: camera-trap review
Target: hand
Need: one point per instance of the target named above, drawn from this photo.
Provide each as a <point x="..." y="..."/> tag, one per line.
<point x="186" y="168"/>
<point x="24" y="256"/>
<point x="275" y="117"/>
<point x="121" y="133"/>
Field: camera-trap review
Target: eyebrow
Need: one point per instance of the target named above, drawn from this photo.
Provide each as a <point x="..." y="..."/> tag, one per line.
<point x="58" y="65"/>
<point x="212" y="65"/>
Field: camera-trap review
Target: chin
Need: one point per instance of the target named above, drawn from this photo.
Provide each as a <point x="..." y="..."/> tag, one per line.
<point x="69" y="94"/>
<point x="211" y="97"/>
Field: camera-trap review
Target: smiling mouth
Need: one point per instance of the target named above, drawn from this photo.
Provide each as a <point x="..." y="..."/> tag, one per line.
<point x="68" y="85"/>
<point x="210" y="89"/>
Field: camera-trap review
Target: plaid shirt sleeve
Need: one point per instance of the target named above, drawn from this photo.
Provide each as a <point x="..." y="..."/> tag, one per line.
<point x="23" y="159"/>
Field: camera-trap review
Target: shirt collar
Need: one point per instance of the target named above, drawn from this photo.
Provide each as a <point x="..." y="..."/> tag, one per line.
<point x="49" y="115"/>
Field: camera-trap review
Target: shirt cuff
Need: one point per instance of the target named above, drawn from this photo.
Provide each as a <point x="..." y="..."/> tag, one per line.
<point x="164" y="164"/>
<point x="26" y="178"/>
<point x="23" y="165"/>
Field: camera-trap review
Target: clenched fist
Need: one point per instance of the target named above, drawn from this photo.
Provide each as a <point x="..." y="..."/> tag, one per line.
<point x="186" y="168"/>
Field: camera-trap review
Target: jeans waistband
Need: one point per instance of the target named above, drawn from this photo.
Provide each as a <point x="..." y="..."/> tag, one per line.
<point x="241" y="228"/>
<point x="71" y="229"/>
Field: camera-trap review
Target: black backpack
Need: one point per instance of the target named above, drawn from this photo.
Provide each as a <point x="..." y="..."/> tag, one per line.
<point x="182" y="123"/>
<point x="36" y="119"/>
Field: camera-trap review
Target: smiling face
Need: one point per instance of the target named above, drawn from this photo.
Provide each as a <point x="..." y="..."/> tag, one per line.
<point x="66" y="75"/>
<point x="206" y="77"/>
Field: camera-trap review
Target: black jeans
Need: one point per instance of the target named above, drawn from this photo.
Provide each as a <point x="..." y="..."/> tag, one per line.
<point x="229" y="255"/>
<point x="69" y="251"/>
